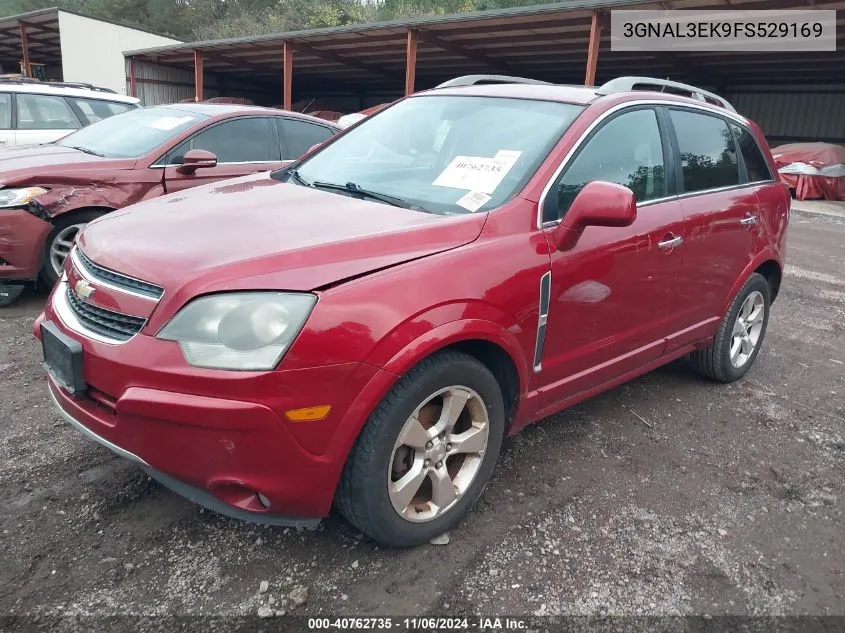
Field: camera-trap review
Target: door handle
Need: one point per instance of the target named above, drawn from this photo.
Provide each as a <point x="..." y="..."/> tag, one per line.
<point x="670" y="243"/>
<point x="748" y="220"/>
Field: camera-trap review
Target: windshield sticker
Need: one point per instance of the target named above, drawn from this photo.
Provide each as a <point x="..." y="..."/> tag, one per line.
<point x="169" y="122"/>
<point x="476" y="173"/>
<point x="473" y="201"/>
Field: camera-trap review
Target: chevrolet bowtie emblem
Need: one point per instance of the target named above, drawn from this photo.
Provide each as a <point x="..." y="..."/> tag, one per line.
<point x="84" y="290"/>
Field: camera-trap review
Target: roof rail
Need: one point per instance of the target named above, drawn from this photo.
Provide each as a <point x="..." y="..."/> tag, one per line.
<point x="476" y="80"/>
<point x="629" y="84"/>
<point x="57" y="84"/>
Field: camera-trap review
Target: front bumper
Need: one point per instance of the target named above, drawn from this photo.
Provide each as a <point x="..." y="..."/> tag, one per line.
<point x="198" y="496"/>
<point x="221" y="438"/>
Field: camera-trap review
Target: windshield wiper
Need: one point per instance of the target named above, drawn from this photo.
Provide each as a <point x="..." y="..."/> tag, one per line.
<point x="294" y="175"/>
<point x="351" y="187"/>
<point x="87" y="151"/>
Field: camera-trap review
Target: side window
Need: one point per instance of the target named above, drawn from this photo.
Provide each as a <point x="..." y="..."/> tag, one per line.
<point x="244" y="140"/>
<point x="755" y="164"/>
<point x="708" y="152"/>
<point x="626" y="150"/>
<point x="5" y="111"/>
<point x="300" y="136"/>
<point x="45" y="112"/>
<point x="96" y="110"/>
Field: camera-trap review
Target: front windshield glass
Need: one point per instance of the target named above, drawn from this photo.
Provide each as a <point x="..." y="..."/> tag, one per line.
<point x="442" y="154"/>
<point x="131" y="134"/>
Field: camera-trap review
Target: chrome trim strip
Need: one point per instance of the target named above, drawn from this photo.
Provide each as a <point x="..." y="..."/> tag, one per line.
<point x="66" y="315"/>
<point x="543" y="319"/>
<point x="83" y="270"/>
<point x="93" y="436"/>
<point x="715" y="110"/>
<point x="243" y="162"/>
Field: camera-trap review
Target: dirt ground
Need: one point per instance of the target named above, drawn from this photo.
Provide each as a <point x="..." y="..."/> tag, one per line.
<point x="670" y="495"/>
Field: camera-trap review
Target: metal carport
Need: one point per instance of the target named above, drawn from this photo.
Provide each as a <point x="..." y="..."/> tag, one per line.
<point x="364" y="64"/>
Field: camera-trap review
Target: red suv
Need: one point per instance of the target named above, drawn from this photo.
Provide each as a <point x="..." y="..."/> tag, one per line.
<point x="363" y="327"/>
<point x="49" y="192"/>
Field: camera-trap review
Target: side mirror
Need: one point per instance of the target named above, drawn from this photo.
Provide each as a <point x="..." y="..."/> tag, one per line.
<point x="314" y="147"/>
<point x="599" y="203"/>
<point x="196" y="159"/>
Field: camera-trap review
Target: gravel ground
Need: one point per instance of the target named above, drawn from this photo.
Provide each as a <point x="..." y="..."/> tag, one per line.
<point x="669" y="495"/>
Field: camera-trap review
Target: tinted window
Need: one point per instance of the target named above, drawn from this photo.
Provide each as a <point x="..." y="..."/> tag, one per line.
<point x="755" y="165"/>
<point x="96" y="110"/>
<point x="5" y="111"/>
<point x="708" y="153"/>
<point x="626" y="150"/>
<point x="244" y="140"/>
<point x="45" y="112"/>
<point x="300" y="136"/>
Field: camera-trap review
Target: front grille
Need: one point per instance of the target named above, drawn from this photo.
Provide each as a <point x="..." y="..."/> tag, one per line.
<point x="123" y="282"/>
<point x="113" y="325"/>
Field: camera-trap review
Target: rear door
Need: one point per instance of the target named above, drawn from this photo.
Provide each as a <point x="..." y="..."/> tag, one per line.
<point x="243" y="146"/>
<point x="297" y="136"/>
<point x="43" y="118"/>
<point x="721" y="209"/>
<point x="7" y="133"/>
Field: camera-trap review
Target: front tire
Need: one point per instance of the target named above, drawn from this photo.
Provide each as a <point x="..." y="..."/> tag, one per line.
<point x="426" y="453"/>
<point x="738" y="340"/>
<point x="59" y="243"/>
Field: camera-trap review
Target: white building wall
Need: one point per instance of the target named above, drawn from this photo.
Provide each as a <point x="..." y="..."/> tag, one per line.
<point x="92" y="51"/>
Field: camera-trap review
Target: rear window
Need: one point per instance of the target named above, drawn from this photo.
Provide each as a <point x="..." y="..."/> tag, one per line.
<point x="708" y="151"/>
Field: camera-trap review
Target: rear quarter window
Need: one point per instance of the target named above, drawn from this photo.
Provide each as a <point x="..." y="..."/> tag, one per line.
<point x="756" y="167"/>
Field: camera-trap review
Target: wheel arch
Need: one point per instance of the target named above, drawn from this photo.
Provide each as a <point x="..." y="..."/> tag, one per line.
<point x="766" y="264"/>
<point x="488" y="342"/>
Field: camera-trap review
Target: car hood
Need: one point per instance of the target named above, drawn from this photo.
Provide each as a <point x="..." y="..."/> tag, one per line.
<point x="256" y="232"/>
<point x="18" y="164"/>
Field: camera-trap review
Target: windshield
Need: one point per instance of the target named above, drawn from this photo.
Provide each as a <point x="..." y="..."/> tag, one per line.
<point x="131" y="134"/>
<point x="442" y="154"/>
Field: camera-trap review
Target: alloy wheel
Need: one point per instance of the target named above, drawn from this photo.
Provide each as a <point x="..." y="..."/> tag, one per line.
<point x="438" y="454"/>
<point x="747" y="329"/>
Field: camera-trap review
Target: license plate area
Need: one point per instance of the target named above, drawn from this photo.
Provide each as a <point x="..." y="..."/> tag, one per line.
<point x="62" y="358"/>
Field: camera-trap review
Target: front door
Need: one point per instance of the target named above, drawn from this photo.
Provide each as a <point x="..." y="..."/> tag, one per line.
<point x="613" y="298"/>
<point x="243" y="146"/>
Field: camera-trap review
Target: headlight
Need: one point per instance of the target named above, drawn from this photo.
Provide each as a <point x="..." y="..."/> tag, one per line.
<point x="240" y="331"/>
<point x="19" y="197"/>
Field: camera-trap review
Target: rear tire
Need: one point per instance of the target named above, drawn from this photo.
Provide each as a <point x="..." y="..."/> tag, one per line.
<point x="738" y="340"/>
<point x="60" y="241"/>
<point x="411" y="475"/>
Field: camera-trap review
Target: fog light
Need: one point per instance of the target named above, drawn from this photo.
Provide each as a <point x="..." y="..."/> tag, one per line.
<point x="263" y="500"/>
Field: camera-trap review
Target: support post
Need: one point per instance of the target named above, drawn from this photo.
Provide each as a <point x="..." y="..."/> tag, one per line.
<point x="133" y="82"/>
<point x="287" y="75"/>
<point x="593" y="50"/>
<point x="27" y="66"/>
<point x="198" y="76"/>
<point x="411" y="62"/>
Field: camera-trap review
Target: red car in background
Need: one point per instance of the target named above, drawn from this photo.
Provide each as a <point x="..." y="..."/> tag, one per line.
<point x="49" y="192"/>
<point x="361" y="329"/>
